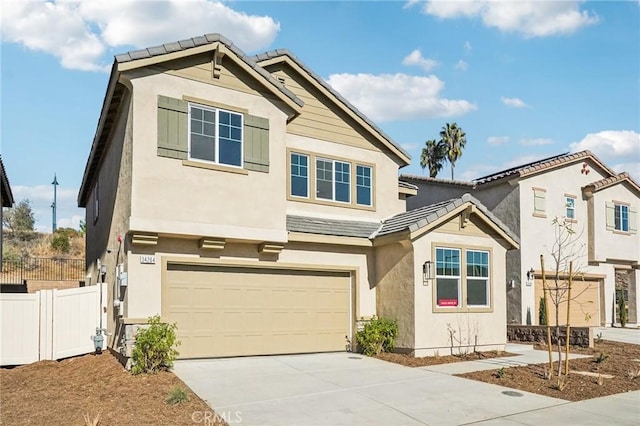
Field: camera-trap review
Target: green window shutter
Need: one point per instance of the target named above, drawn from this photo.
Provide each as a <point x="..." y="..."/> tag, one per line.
<point x="633" y="220"/>
<point x="172" y="128"/>
<point x="256" y="143"/>
<point x="610" y="215"/>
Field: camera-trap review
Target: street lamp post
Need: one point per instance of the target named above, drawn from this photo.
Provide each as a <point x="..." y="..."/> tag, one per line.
<point x="53" y="206"/>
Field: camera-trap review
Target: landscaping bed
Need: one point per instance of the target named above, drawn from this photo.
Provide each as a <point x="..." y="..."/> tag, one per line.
<point x="410" y="361"/>
<point x="62" y="392"/>
<point x="620" y="360"/>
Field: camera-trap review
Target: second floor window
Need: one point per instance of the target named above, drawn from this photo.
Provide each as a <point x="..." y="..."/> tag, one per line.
<point x="215" y="135"/>
<point x="570" y="204"/>
<point x="621" y="217"/>
<point x="333" y="180"/>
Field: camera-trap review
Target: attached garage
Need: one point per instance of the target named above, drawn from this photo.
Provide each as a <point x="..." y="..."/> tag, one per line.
<point x="585" y="304"/>
<point x="235" y="311"/>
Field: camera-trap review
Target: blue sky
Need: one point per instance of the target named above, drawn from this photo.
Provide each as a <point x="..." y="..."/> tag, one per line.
<point x="524" y="79"/>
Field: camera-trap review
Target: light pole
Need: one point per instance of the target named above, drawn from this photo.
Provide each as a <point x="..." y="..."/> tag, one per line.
<point x="53" y="206"/>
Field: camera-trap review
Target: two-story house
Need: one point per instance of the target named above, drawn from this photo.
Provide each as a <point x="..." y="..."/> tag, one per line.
<point x="246" y="201"/>
<point x="578" y="190"/>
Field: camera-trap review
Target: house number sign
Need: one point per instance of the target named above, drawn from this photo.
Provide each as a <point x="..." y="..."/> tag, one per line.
<point x="147" y="259"/>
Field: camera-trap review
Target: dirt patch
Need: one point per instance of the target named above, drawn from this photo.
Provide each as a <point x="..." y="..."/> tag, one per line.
<point x="620" y="363"/>
<point x="61" y="392"/>
<point x="410" y="361"/>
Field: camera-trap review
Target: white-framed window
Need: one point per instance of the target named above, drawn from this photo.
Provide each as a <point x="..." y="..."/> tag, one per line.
<point x="477" y="278"/>
<point x="215" y="135"/>
<point x="333" y="180"/>
<point x="447" y="277"/>
<point x="570" y="207"/>
<point x="462" y="278"/>
<point x="299" y="175"/>
<point x="363" y="185"/>
<point x="621" y="217"/>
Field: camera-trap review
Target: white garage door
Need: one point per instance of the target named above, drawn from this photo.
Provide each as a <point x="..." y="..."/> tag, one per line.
<point x="232" y="311"/>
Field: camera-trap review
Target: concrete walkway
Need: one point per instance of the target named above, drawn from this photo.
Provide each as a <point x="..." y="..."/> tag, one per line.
<point x="625" y="335"/>
<point x="350" y="389"/>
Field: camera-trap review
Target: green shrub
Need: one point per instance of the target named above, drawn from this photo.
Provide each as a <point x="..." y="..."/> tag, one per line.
<point x="379" y="335"/>
<point x="155" y="347"/>
<point x="60" y="242"/>
<point x="177" y="396"/>
<point x="622" y="310"/>
<point x="542" y="312"/>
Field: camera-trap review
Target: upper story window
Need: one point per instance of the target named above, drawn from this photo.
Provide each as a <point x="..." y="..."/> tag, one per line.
<point x="462" y="275"/>
<point x="621" y="217"/>
<point x="332" y="180"/>
<point x="539" y="202"/>
<point x="570" y="207"/>
<point x="299" y="175"/>
<point x="215" y="135"/>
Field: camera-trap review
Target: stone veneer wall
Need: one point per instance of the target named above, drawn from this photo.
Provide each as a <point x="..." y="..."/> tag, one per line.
<point x="580" y="336"/>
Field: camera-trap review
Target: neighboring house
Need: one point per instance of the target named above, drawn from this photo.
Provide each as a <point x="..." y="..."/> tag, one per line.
<point x="601" y="207"/>
<point x="6" y="199"/>
<point x="245" y="200"/>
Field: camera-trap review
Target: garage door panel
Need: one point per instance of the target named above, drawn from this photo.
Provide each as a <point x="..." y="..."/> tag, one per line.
<point x="225" y="311"/>
<point x="585" y="303"/>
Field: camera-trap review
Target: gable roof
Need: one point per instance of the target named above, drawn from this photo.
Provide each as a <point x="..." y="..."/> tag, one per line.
<point x="623" y="177"/>
<point x="5" y="187"/>
<point x="154" y="55"/>
<point x="544" y="165"/>
<point x="284" y="55"/>
<point x="422" y="217"/>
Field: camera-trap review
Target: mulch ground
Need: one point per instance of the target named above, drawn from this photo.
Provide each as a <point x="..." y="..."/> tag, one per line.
<point x="622" y="361"/>
<point x="62" y="392"/>
<point x="410" y="361"/>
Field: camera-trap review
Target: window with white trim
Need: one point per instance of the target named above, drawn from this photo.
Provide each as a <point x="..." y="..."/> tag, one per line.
<point x="570" y="206"/>
<point x="333" y="180"/>
<point x="621" y="217"/>
<point x="215" y="135"/>
<point x="462" y="278"/>
<point x="299" y="175"/>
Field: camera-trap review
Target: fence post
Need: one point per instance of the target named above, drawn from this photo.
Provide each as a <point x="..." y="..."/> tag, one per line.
<point x="46" y="324"/>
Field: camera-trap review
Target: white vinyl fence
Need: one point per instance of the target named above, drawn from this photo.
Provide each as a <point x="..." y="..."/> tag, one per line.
<point x="50" y="324"/>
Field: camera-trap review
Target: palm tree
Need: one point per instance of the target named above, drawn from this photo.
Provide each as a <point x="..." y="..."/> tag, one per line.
<point x="433" y="156"/>
<point x="454" y="140"/>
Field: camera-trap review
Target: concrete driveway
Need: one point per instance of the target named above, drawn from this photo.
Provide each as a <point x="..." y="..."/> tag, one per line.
<point x="348" y="389"/>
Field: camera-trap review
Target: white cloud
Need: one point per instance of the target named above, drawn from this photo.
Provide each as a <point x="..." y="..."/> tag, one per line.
<point x="41" y="199"/>
<point x="416" y="58"/>
<point x="409" y="4"/>
<point x="536" y="141"/>
<point x="467" y="47"/>
<point x="619" y="147"/>
<point x="410" y="146"/>
<point x="79" y="32"/>
<point x="497" y="140"/>
<point x="389" y="97"/>
<point x="513" y="102"/>
<point x="461" y="65"/>
<point x="528" y="18"/>
<point x="520" y="160"/>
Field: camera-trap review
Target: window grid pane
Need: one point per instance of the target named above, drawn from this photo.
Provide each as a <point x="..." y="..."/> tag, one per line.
<point x="447" y="277"/>
<point x="343" y="179"/>
<point x="299" y="175"/>
<point x="570" y="203"/>
<point x="363" y="185"/>
<point x="324" y="179"/>
<point x="621" y="217"/>
<point x="225" y="147"/>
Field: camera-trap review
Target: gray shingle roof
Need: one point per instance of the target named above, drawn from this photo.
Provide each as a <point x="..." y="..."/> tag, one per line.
<point x="167" y="48"/>
<point x="342" y="228"/>
<point x="416" y="178"/>
<point x="415" y="219"/>
<point x="285" y="52"/>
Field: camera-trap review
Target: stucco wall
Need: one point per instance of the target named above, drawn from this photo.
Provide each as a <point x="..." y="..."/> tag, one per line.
<point x="434" y="192"/>
<point x="432" y="328"/>
<point x="396" y="289"/>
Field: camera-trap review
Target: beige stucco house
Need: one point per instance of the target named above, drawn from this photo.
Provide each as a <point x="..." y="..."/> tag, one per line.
<point x="6" y="200"/>
<point x="246" y="201"/>
<point x="576" y="189"/>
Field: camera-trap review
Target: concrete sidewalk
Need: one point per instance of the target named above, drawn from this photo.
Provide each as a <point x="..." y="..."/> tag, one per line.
<point x="624" y="335"/>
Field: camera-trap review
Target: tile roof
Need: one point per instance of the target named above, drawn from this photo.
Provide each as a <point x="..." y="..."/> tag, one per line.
<point x="341" y="228"/>
<point x="417" y="178"/>
<point x="189" y="43"/>
<point x="285" y="52"/>
<point x="408" y="185"/>
<point x="7" y="195"/>
<point x="541" y="165"/>
<point x="418" y="218"/>
<point x="612" y="180"/>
